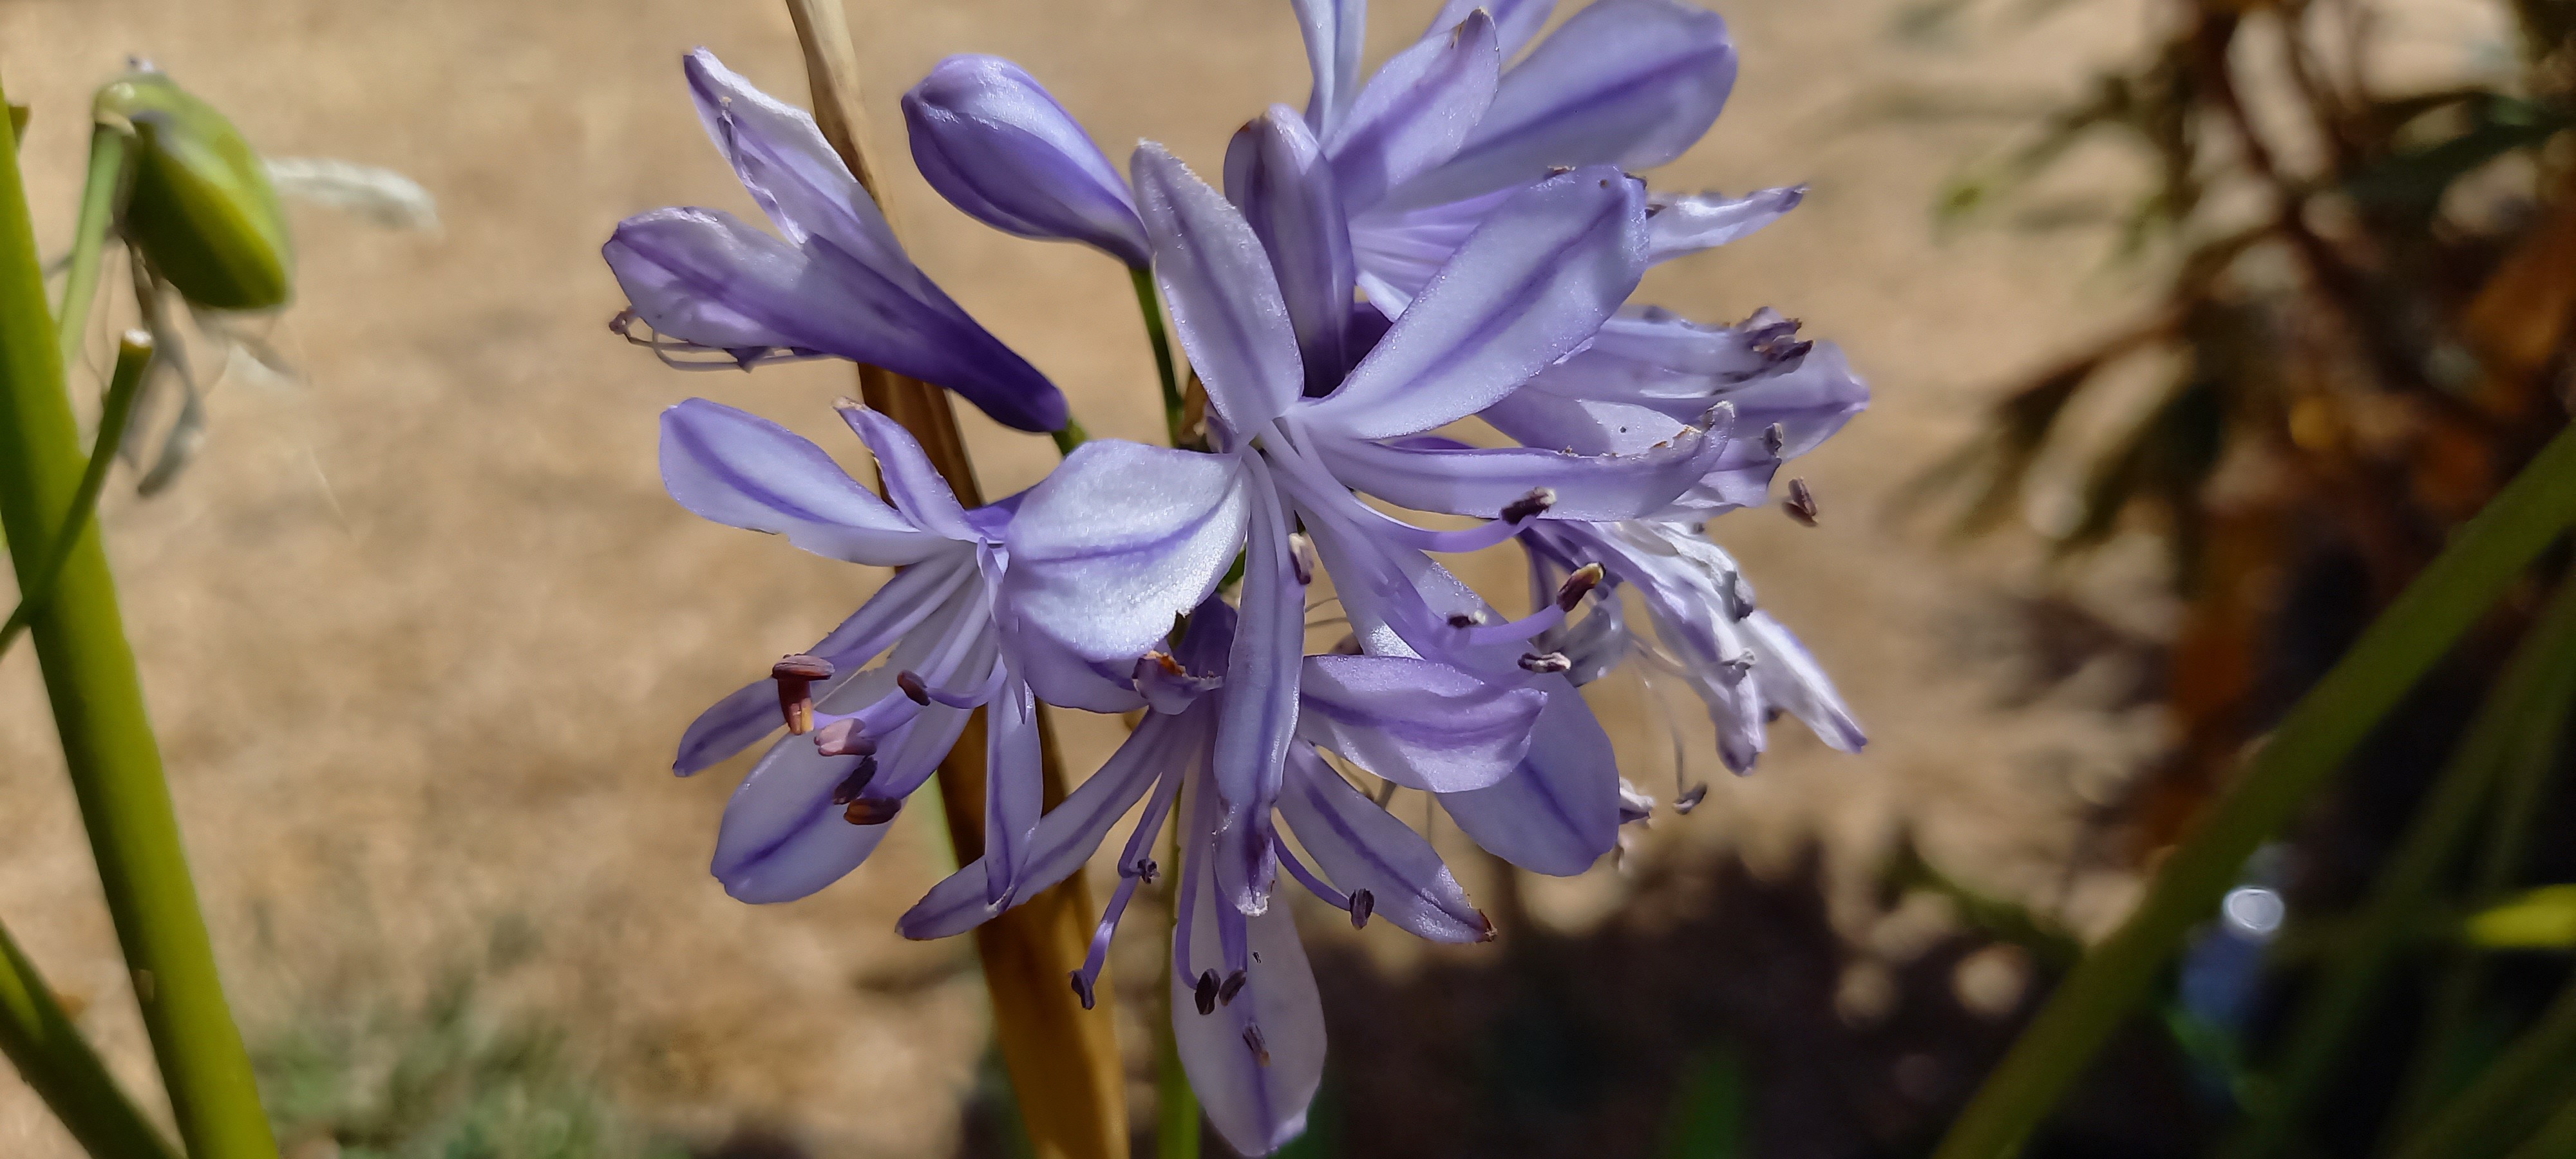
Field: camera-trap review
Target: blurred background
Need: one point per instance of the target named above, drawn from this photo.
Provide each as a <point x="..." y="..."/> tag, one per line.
<point x="419" y="627"/>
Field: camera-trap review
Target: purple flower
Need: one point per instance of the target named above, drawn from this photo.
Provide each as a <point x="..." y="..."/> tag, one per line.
<point x="996" y="144"/>
<point x="814" y="806"/>
<point x="1744" y="665"/>
<point x="1244" y="1007"/>
<point x="1121" y="538"/>
<point x="838" y="285"/>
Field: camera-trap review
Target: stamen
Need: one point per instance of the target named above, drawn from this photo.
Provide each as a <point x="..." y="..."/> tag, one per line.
<point x="910" y="683"/>
<point x="844" y="737"/>
<point x="1206" y="995"/>
<point x="1147" y="871"/>
<point x="1690" y="799"/>
<point x="1363" y="903"/>
<point x="871" y="811"/>
<point x="1577" y="586"/>
<point x="1252" y="1039"/>
<point x="856" y="783"/>
<point x="1301" y="556"/>
<point x="1545" y="663"/>
<point x="1232" y="986"/>
<point x="1530" y="506"/>
<point x="1774" y="438"/>
<point x="1739" y="603"/>
<point x="1466" y="619"/>
<point x="796" y="674"/>
<point x="1081" y="988"/>
<point x="1801" y="503"/>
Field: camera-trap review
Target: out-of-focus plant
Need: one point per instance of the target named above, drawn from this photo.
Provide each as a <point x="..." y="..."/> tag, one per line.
<point x="2364" y="330"/>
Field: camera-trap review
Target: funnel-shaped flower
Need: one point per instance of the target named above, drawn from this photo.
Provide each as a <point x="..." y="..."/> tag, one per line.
<point x="838" y="284"/>
<point x="814" y="806"/>
<point x="996" y="144"/>
<point x="1244" y="1009"/>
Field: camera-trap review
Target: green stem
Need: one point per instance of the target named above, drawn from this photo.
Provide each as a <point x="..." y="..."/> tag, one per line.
<point x="1070" y="437"/>
<point x="1175" y="414"/>
<point x="2514" y="818"/>
<point x="2557" y="1137"/>
<point x="2532" y="696"/>
<point x="2484" y="558"/>
<point x="133" y="358"/>
<point x="2522" y="1076"/>
<point x="107" y="149"/>
<point x="108" y="747"/>
<point x="51" y="1055"/>
<point x="1176" y="1106"/>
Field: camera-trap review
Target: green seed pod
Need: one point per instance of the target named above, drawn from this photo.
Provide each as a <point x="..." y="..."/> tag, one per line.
<point x="200" y="207"/>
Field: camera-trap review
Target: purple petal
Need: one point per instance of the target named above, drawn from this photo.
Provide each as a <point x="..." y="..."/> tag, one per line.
<point x="1557" y="812"/>
<point x="1361" y="846"/>
<point x="1532" y="283"/>
<point x="1630" y="83"/>
<point x="782" y="837"/>
<point x="1013" y="788"/>
<point x="1068" y="834"/>
<point x="706" y="277"/>
<point x="1685" y="225"/>
<point x="1481" y="481"/>
<point x="1516" y="22"/>
<point x="1335" y="31"/>
<point x="1401" y="250"/>
<point x="996" y="144"/>
<point x="916" y="487"/>
<point x="1420" y="724"/>
<point x="1275" y="171"/>
<point x="791" y="171"/>
<point x="742" y="470"/>
<point x="1118" y="541"/>
<point x="751" y="712"/>
<point x="1259" y="709"/>
<point x="1417" y="110"/>
<point x="1222" y="292"/>
<point x="1791" y="680"/>
<point x="1258" y="1103"/>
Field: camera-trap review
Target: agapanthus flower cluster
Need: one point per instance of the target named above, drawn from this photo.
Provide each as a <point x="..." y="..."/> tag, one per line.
<point x="1455" y="237"/>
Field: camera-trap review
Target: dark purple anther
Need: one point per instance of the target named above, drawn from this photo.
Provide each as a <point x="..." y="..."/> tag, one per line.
<point x="796" y="675"/>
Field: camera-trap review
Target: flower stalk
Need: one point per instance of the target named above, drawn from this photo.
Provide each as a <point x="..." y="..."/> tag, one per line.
<point x="108" y="746"/>
<point x="108" y="147"/>
<point x="2488" y="555"/>
<point x="1175" y="411"/>
<point x="39" y="1038"/>
<point x="1063" y="1060"/>
<point x="133" y="360"/>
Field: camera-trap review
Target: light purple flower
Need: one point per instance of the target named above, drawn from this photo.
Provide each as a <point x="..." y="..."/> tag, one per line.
<point x="837" y="285"/>
<point x="814" y="806"/>
<point x="1709" y="631"/>
<point x="996" y="144"/>
<point x="1245" y="1012"/>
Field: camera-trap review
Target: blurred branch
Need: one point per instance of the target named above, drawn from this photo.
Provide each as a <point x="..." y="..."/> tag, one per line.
<point x="1063" y="1059"/>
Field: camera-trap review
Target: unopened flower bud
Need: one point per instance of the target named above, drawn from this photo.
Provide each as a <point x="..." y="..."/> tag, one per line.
<point x="993" y="142"/>
<point x="200" y="208"/>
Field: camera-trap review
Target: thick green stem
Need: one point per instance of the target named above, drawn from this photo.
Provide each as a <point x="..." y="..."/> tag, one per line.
<point x="2522" y="1077"/>
<point x="1176" y="1106"/>
<point x="108" y="746"/>
<point x="51" y="1055"/>
<point x="107" y="149"/>
<point x="133" y="358"/>
<point x="2484" y="558"/>
<point x="1175" y="414"/>
<point x="2557" y="1137"/>
<point x="2532" y="696"/>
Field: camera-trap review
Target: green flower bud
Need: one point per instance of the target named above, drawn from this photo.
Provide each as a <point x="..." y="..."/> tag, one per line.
<point x="200" y="208"/>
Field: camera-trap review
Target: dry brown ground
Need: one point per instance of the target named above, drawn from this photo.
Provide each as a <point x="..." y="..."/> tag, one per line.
<point x="419" y="631"/>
